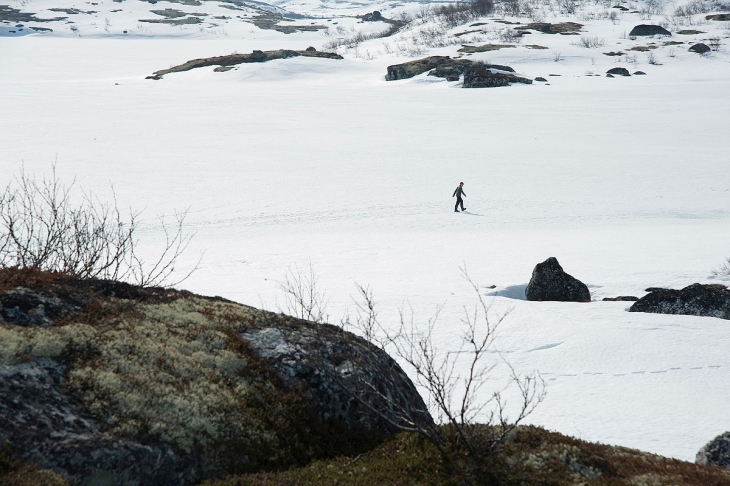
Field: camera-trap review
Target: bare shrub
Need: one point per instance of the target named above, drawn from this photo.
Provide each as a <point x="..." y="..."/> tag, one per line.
<point x="714" y="43"/>
<point x="45" y="224"/>
<point x="723" y="270"/>
<point x="353" y="38"/>
<point x="465" y="421"/>
<point x="557" y="56"/>
<point x="454" y="399"/>
<point x="304" y="299"/>
<point x="458" y="13"/>
<point x="696" y="7"/>
<point x="590" y="42"/>
<point x="510" y="8"/>
<point x="652" y="59"/>
<point x="511" y="36"/>
<point x="566" y="7"/>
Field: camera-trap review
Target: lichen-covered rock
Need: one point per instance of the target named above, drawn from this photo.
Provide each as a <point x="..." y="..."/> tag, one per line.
<point x="341" y="374"/>
<point x="716" y="452"/>
<point x="550" y="283"/>
<point x="158" y="386"/>
<point x="694" y="300"/>
<point x="59" y="435"/>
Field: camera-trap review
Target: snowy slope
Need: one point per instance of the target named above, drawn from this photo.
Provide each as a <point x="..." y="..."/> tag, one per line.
<point x="624" y="180"/>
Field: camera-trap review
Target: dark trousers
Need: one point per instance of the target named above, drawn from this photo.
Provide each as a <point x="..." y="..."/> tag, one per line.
<point x="459" y="201"/>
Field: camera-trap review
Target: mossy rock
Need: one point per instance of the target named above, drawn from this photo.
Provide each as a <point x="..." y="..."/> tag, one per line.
<point x="164" y="387"/>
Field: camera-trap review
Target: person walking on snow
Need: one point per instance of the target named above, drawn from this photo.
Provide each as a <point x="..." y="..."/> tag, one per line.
<point x="459" y="201"/>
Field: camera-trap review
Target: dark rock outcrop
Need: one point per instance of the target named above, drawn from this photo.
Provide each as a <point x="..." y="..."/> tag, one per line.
<point x="235" y="59"/>
<point x="694" y="300"/>
<point x="700" y="48"/>
<point x="452" y="69"/>
<point x="621" y="298"/>
<point x="486" y="78"/>
<point x="639" y="73"/>
<point x="619" y="71"/>
<point x="374" y="16"/>
<point x="723" y="17"/>
<point x="549" y="282"/>
<point x="646" y="30"/>
<point x="716" y="452"/>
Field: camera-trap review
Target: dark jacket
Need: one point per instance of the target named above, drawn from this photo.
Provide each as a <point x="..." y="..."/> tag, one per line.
<point x="459" y="192"/>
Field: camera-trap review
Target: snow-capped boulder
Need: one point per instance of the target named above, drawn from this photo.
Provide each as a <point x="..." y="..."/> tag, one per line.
<point x="694" y="300"/>
<point x="550" y="282"/>
<point x="716" y="452"/>
<point x="647" y="30"/>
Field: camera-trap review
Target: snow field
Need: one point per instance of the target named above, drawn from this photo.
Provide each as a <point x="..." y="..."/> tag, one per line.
<point x="311" y="160"/>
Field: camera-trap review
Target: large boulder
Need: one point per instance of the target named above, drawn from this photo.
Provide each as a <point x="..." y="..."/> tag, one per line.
<point x="550" y="282"/>
<point x="700" y="48"/>
<point x="342" y="375"/>
<point x="694" y="300"/>
<point x="102" y="381"/>
<point x="716" y="452"/>
<point x="647" y="30"/>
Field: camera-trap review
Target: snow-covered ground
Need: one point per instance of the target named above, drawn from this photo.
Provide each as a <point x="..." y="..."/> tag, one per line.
<point x="282" y="164"/>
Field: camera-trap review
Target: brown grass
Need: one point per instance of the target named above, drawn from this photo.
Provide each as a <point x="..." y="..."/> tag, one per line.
<point x="532" y="456"/>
